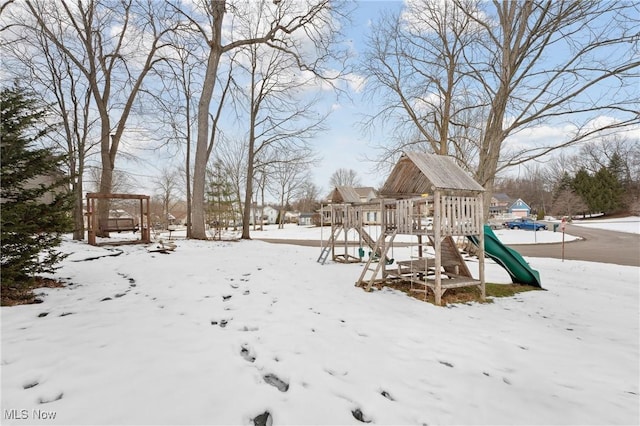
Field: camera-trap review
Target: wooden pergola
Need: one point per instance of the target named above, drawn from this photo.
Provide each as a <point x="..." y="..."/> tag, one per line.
<point x="94" y="224"/>
<point x="422" y="186"/>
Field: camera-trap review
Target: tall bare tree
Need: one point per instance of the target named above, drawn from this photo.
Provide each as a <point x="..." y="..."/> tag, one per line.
<point x="288" y="180"/>
<point x="166" y="189"/>
<point x="344" y="177"/>
<point x="309" y="198"/>
<point x="529" y="63"/>
<point x="285" y="25"/>
<point x="177" y="101"/>
<point x="418" y="81"/>
<point x="280" y="120"/>
<point x="34" y="61"/>
<point x="549" y="59"/>
<point x="114" y="45"/>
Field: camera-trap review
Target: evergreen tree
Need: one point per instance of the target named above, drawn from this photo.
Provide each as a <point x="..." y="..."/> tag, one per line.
<point x="221" y="200"/>
<point x="584" y="185"/>
<point x="619" y="168"/>
<point x="562" y="186"/>
<point x="34" y="196"/>
<point x="608" y="191"/>
<point x="601" y="192"/>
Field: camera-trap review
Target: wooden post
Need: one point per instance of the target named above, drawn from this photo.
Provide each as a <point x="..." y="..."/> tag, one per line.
<point x="345" y="221"/>
<point x="91" y="228"/>
<point x="333" y="235"/>
<point x="437" y="223"/>
<point x="146" y="230"/>
<point x="479" y="222"/>
<point x="562" y="227"/>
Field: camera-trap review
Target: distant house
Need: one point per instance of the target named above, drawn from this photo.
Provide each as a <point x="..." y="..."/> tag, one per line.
<point x="305" y="219"/>
<point x="520" y="209"/>
<point x="366" y="193"/>
<point x="291" y="217"/>
<point x="500" y="203"/>
<point x="48" y="179"/>
<point x="267" y="215"/>
<point x="360" y="195"/>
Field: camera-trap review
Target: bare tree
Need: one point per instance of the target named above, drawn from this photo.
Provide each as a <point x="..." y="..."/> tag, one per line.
<point x="415" y="60"/>
<point x="285" y="25"/>
<point x="114" y="64"/>
<point x="177" y="101"/>
<point x="34" y="61"/>
<point x="309" y="197"/>
<point x="526" y="83"/>
<point x="344" y="177"/>
<point x="166" y="188"/>
<point x="528" y="64"/>
<point x="280" y="122"/>
<point x="288" y="180"/>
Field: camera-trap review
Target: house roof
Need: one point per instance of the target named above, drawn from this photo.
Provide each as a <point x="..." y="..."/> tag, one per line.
<point x="365" y="191"/>
<point x="519" y="205"/>
<point x="501" y="196"/>
<point x="418" y="173"/>
<point x="344" y="194"/>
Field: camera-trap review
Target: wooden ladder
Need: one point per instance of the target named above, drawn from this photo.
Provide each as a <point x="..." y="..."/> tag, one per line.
<point x="382" y="246"/>
<point x="324" y="254"/>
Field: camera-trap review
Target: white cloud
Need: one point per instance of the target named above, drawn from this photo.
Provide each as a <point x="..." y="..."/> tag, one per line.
<point x="355" y="82"/>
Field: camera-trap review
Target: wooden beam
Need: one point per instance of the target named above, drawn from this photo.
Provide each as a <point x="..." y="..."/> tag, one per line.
<point x="101" y="196"/>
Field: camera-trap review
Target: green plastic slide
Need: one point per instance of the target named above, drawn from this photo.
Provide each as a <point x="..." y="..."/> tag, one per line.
<point x="509" y="259"/>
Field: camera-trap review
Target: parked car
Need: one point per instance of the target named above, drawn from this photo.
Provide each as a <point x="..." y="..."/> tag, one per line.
<point x="525" y="223"/>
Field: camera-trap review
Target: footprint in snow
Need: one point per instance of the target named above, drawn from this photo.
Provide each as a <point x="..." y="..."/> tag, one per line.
<point x="46" y="400"/>
<point x="246" y="354"/>
<point x="387" y="395"/>
<point x="275" y="381"/>
<point x="222" y="323"/>
<point x="30" y="384"/>
<point x="358" y="415"/>
<point x="263" y="419"/>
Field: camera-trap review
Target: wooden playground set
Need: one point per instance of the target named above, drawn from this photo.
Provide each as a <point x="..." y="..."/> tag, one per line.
<point x="432" y="200"/>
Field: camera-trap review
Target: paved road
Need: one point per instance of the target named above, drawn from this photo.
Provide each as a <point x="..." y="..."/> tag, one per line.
<point x="597" y="245"/>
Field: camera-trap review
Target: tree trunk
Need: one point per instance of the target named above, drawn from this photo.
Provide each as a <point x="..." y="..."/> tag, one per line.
<point x="246" y="216"/>
<point x="78" y="210"/>
<point x="200" y="163"/>
<point x="106" y="175"/>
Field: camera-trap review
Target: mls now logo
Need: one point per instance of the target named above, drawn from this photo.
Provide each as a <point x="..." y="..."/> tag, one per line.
<point x="16" y="414"/>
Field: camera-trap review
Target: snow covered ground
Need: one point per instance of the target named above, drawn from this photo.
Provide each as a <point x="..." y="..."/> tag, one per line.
<point x="221" y="332"/>
<point x="507" y="236"/>
<point x="623" y="224"/>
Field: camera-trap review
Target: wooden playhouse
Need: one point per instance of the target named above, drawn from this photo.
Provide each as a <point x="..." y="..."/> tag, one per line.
<point x="346" y="212"/>
<point x="432" y="199"/>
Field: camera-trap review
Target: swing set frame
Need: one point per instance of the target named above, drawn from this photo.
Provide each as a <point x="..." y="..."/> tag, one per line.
<point x="115" y="224"/>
